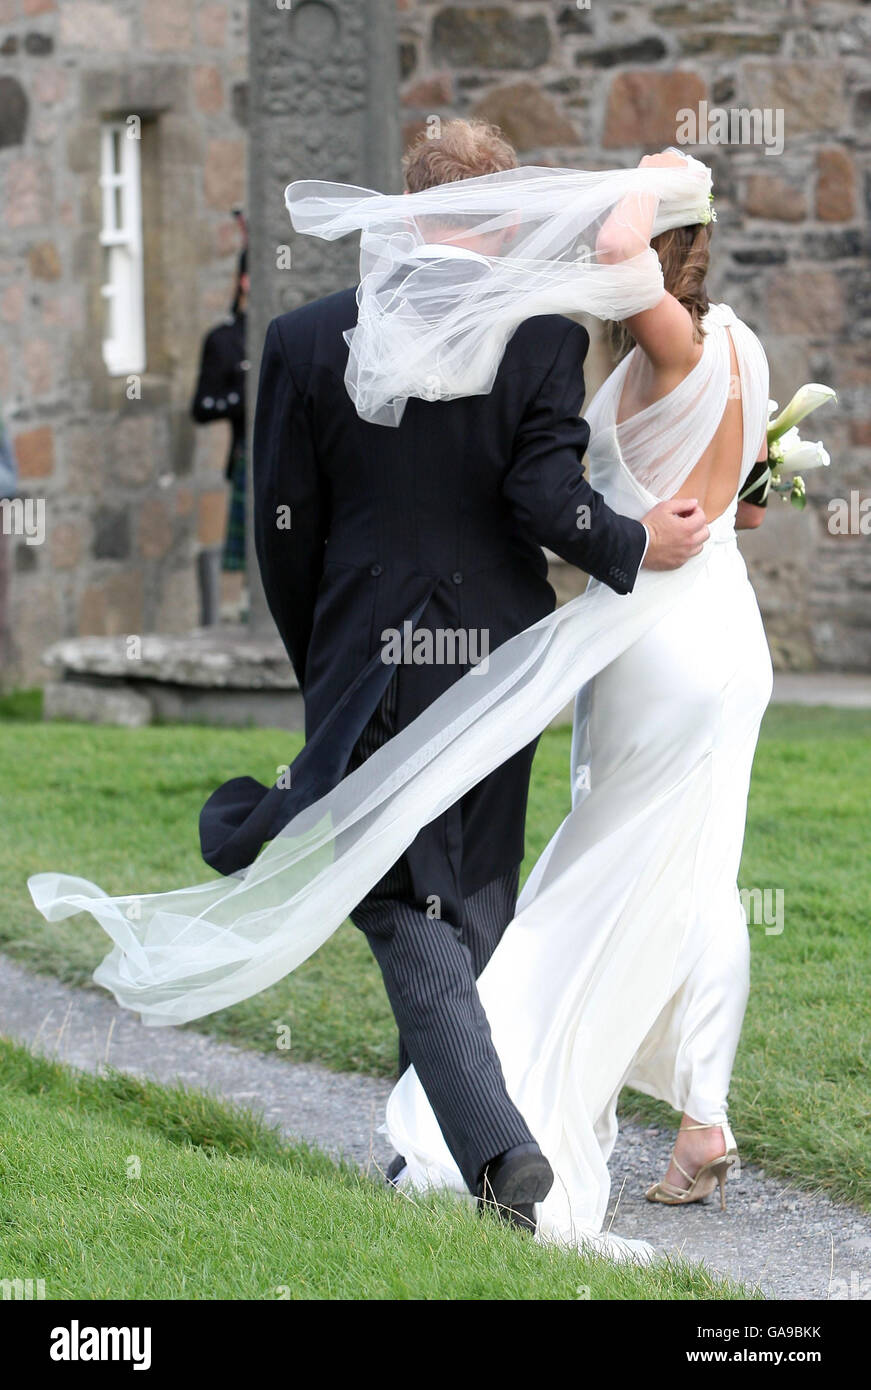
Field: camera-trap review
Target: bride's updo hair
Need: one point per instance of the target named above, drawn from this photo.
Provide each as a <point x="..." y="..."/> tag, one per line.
<point x="684" y="254"/>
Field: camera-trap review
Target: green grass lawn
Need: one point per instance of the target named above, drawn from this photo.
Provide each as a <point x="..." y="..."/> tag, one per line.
<point x="120" y="806"/>
<point x="119" y="1189"/>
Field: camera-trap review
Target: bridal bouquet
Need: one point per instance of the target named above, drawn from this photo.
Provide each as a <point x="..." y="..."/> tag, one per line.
<point x="787" y="451"/>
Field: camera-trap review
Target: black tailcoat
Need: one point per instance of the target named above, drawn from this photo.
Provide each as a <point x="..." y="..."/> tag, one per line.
<point x="440" y="522"/>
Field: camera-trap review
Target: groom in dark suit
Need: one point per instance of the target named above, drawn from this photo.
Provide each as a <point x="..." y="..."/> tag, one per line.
<point x="439" y="524"/>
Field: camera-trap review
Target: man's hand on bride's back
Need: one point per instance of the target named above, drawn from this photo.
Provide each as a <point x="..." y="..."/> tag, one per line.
<point x="677" y="530"/>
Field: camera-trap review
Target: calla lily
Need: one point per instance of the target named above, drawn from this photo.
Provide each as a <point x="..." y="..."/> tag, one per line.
<point x="803" y="454"/>
<point x="777" y="448"/>
<point x="787" y="451"/>
<point x="806" y="399"/>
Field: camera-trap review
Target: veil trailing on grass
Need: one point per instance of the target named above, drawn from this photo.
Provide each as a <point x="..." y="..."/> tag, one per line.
<point x="433" y="323"/>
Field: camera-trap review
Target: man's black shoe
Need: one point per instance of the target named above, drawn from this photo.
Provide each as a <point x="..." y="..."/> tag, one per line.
<point x="511" y="1184"/>
<point x="394" y="1168"/>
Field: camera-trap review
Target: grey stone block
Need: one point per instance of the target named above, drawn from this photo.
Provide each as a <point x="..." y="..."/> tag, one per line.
<point x="218" y="675"/>
<point x="86" y="702"/>
<point x="207" y="658"/>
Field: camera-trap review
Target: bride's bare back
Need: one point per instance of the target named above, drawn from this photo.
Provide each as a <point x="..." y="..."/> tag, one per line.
<point x="715" y="478"/>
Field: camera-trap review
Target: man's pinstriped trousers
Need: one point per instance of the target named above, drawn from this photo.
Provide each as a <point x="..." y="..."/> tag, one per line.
<point x="429" y="967"/>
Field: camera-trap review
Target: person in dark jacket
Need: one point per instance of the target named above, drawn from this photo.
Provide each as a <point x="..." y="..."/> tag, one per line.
<point x="436" y="526"/>
<point x="220" y="395"/>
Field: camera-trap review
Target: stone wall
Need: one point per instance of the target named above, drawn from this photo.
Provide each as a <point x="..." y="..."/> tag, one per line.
<point x="132" y="488"/>
<point x="601" y="84"/>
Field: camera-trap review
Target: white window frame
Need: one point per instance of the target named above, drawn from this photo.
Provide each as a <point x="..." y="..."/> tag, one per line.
<point x="121" y="234"/>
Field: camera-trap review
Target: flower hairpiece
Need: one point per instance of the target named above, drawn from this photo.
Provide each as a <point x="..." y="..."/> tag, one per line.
<point x="708" y="214"/>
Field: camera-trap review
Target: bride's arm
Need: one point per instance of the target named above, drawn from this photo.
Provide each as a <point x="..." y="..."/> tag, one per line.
<point x="749" y="516"/>
<point x="752" y="514"/>
<point x="665" y="332"/>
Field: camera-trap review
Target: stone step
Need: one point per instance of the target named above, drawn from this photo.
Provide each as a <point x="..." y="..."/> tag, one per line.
<point x="218" y="675"/>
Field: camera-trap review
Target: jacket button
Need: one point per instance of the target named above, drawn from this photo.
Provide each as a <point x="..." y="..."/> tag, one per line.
<point x="375" y="571"/>
<point x="457" y="577"/>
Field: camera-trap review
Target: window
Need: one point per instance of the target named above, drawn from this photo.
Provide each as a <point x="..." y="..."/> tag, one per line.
<point x="121" y="239"/>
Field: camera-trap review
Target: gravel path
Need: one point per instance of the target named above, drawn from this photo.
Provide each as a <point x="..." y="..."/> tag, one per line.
<point x="848" y="691"/>
<point x="793" y="1244"/>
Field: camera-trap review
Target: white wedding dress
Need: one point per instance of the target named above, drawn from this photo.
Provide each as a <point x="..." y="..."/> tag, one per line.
<point x="627" y="961"/>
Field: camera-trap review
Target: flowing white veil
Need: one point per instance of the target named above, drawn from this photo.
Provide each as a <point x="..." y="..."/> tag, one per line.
<point x="184" y="953"/>
<point x="435" y="331"/>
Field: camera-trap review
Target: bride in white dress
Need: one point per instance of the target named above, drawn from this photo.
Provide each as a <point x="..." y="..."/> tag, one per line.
<point x="628" y="960"/>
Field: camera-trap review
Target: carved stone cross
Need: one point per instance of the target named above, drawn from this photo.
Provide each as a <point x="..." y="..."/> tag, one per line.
<point x="322" y="104"/>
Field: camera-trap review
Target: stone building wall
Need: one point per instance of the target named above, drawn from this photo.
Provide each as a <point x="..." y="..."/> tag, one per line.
<point x="599" y="85"/>
<point x="132" y="488"/>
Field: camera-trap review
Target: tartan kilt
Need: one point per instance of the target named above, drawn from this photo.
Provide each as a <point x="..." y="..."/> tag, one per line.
<point x="233" y="557"/>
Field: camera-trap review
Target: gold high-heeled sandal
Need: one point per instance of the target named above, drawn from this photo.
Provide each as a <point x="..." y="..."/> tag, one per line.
<point x="702" y="1183"/>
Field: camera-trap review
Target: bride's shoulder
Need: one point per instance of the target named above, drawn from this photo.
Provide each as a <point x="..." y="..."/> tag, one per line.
<point x="724" y="316"/>
<point x="719" y="316"/>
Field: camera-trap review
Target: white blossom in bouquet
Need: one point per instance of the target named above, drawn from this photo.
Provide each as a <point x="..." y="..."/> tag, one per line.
<point x="809" y="397"/>
<point x="796" y="454"/>
<point x="787" y="451"/>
